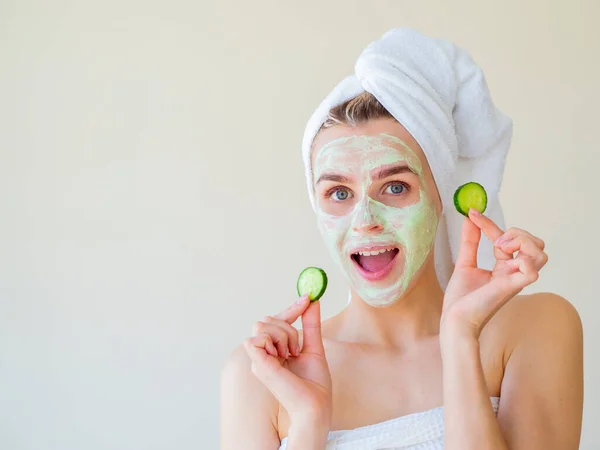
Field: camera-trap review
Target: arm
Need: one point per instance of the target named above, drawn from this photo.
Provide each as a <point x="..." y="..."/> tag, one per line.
<point x="542" y="388"/>
<point x="248" y="410"/>
<point x="249" y="413"/>
<point x="541" y="402"/>
<point x="272" y="372"/>
<point x="469" y="420"/>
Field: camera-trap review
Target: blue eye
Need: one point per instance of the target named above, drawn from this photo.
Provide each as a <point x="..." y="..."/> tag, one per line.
<point x="395" y="189"/>
<point x="340" y="195"/>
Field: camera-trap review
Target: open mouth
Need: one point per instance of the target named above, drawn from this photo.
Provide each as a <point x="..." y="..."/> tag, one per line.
<point x="375" y="264"/>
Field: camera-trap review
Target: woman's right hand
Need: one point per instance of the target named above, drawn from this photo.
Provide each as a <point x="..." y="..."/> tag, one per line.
<point x="296" y="374"/>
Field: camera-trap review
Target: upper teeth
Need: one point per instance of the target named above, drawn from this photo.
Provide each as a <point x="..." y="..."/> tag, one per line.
<point x="375" y="252"/>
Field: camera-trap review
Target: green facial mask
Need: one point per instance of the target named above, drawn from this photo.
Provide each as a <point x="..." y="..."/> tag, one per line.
<point x="411" y="228"/>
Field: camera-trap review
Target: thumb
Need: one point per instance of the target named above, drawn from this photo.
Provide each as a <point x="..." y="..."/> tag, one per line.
<point x="311" y="328"/>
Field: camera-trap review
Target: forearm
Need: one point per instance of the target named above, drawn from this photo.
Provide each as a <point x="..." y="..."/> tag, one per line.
<point x="308" y="435"/>
<point x="470" y="422"/>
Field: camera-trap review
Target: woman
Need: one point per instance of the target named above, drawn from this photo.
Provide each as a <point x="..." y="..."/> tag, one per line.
<point x="426" y="325"/>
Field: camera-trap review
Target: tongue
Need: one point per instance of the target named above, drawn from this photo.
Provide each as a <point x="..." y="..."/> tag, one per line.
<point x="375" y="263"/>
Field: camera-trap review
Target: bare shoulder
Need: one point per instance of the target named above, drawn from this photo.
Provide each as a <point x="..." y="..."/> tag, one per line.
<point x="242" y="391"/>
<point x="541" y="310"/>
<point x="237" y="361"/>
<point x="538" y="319"/>
<point x="237" y="374"/>
<point x="540" y="341"/>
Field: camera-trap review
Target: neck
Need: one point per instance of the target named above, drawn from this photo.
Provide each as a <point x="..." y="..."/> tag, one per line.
<point x="413" y="316"/>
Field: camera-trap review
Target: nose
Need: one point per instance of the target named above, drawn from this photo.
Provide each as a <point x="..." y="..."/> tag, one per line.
<point x="365" y="220"/>
<point x="368" y="228"/>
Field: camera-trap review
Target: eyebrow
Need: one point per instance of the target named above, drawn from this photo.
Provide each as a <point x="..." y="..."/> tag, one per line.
<point x="395" y="170"/>
<point x="381" y="174"/>
<point x="333" y="177"/>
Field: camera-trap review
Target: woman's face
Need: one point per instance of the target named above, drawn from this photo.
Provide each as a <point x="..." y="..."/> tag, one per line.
<point x="377" y="206"/>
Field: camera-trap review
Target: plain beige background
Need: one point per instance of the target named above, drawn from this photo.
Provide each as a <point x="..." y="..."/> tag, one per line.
<point x="153" y="204"/>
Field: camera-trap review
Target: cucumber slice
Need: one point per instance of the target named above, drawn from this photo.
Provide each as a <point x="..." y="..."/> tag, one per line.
<point x="312" y="281"/>
<point x="470" y="195"/>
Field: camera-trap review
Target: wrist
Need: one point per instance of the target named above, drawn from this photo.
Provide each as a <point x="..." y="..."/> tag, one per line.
<point x="456" y="338"/>
<point x="454" y="326"/>
<point x="308" y="434"/>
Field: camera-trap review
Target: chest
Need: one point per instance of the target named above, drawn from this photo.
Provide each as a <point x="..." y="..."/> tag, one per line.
<point x="376" y="385"/>
<point x="371" y="386"/>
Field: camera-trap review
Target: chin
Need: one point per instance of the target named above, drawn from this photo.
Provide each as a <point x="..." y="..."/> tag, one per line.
<point x="383" y="300"/>
<point x="380" y="294"/>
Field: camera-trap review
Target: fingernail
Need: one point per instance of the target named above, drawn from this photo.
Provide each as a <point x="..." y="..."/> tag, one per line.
<point x="301" y="299"/>
<point x="499" y="241"/>
<point x="297" y="350"/>
<point x="474" y="212"/>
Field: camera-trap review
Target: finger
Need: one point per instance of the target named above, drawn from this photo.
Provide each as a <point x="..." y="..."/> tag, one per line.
<point x="513" y="232"/>
<point x="506" y="269"/>
<point x="269" y="371"/>
<point x="487" y="225"/>
<point x="291" y="314"/>
<point x="261" y="342"/>
<point x="515" y="275"/>
<point x="540" y="261"/>
<point x="269" y="346"/>
<point x="525" y="275"/>
<point x="256" y="349"/>
<point x="278" y="336"/>
<point x="469" y="243"/>
<point x="491" y="231"/>
<point x="292" y="334"/>
<point x="311" y="328"/>
<point x="527" y="247"/>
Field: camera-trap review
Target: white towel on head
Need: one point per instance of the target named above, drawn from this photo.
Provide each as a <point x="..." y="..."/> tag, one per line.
<point x="436" y="91"/>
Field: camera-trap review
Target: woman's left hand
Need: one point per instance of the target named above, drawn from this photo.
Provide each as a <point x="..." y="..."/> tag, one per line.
<point x="473" y="294"/>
